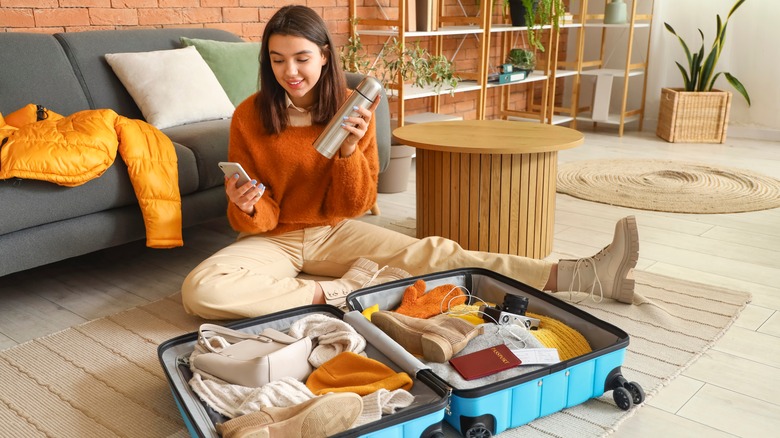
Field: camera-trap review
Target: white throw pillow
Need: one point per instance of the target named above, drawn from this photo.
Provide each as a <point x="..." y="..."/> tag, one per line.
<point x="172" y="87"/>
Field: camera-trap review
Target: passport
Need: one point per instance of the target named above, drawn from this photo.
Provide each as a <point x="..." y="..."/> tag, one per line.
<point x="485" y="362"/>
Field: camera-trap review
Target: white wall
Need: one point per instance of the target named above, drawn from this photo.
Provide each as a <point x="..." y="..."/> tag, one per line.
<point x="751" y="53"/>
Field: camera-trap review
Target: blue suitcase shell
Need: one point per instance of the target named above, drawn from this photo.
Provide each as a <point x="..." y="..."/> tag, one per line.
<point x="493" y="408"/>
<point x="422" y="419"/>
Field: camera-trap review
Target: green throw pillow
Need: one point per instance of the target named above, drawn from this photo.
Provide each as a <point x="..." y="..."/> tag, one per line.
<point x="235" y="64"/>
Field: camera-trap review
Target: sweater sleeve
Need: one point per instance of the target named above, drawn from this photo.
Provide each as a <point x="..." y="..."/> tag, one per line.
<point x="354" y="179"/>
<point x="266" y="215"/>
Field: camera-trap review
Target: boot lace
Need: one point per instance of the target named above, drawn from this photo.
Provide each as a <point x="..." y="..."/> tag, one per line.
<point x="577" y="276"/>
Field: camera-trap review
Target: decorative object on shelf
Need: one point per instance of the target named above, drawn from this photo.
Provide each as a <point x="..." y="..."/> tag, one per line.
<point x="512" y="76"/>
<point x="522" y="59"/>
<point x="696" y="112"/>
<point x="616" y="12"/>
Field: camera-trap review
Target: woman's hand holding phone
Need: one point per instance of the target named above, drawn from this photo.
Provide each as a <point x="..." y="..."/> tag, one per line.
<point x="241" y="190"/>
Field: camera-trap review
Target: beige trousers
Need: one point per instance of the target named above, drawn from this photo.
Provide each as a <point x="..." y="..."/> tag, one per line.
<point x="256" y="275"/>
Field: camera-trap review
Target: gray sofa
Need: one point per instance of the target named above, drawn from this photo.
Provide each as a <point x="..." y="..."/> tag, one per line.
<point x="42" y="222"/>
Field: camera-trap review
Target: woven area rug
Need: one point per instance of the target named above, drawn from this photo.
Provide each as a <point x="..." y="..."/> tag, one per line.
<point x="103" y="379"/>
<point x="670" y="186"/>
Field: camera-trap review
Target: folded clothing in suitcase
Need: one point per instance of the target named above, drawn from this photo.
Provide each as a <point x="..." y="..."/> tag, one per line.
<point x="422" y="418"/>
<point x="537" y="391"/>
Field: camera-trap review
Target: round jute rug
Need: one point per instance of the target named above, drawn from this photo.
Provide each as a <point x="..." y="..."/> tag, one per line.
<point x="671" y="186"/>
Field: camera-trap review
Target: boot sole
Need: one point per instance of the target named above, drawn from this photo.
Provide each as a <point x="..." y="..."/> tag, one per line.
<point x="625" y="285"/>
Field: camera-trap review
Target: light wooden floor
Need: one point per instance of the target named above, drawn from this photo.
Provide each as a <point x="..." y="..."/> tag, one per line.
<point x="730" y="391"/>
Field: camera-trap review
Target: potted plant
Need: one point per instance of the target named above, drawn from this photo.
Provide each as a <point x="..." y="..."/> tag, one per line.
<point x="697" y="112"/>
<point x="534" y="14"/>
<point x="522" y="59"/>
<point x="412" y="62"/>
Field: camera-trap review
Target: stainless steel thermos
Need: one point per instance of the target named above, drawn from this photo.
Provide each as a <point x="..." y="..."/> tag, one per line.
<point x="329" y="142"/>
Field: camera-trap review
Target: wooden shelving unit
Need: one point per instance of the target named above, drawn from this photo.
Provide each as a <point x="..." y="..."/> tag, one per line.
<point x="484" y="30"/>
<point x="603" y="72"/>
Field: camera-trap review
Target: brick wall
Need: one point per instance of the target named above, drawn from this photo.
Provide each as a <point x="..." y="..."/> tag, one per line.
<point x="245" y="18"/>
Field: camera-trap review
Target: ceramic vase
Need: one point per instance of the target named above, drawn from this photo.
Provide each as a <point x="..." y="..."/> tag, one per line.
<point x="616" y="12"/>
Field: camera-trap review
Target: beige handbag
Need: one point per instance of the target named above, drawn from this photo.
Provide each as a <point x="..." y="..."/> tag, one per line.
<point x="252" y="359"/>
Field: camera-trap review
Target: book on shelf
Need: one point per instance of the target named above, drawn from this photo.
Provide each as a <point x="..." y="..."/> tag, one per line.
<point x="426" y="15"/>
<point x="411" y="15"/>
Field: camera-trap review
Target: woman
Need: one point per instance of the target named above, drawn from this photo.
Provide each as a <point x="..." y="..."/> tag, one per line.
<point x="302" y="221"/>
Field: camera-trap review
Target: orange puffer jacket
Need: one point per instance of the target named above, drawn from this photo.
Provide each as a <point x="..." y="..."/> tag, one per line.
<point x="39" y="144"/>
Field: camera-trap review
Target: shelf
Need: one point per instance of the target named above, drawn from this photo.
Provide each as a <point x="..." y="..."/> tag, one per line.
<point x="557" y="119"/>
<point x="565" y="73"/>
<point x="613" y="119"/>
<point x="414" y="92"/>
<point x="611" y="72"/>
<point x="616" y="26"/>
<point x="535" y="76"/>
<point x="443" y="31"/>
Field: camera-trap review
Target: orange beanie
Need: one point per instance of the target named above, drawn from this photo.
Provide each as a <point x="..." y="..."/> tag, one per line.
<point x="419" y="304"/>
<point x="350" y="372"/>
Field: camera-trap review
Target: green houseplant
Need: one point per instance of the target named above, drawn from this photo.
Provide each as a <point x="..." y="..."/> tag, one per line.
<point x="700" y="74"/>
<point x="412" y="62"/>
<point x="698" y="112"/>
<point x="416" y="65"/>
<point x="522" y="59"/>
<point x="538" y="13"/>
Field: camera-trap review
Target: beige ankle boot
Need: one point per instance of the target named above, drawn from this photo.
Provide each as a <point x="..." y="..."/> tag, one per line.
<point x="436" y="339"/>
<point x="362" y="273"/>
<point x="319" y="417"/>
<point x="608" y="273"/>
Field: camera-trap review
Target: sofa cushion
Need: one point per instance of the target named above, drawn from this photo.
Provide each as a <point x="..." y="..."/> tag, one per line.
<point x="208" y="142"/>
<point x="39" y="202"/>
<point x="236" y="65"/>
<point x="103" y="89"/>
<point x="172" y="87"/>
<point x="34" y="69"/>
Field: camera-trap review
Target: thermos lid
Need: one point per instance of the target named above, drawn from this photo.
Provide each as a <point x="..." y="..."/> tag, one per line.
<point x="369" y="87"/>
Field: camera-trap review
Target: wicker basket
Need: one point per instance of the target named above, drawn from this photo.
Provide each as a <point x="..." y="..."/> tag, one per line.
<point x="693" y="116"/>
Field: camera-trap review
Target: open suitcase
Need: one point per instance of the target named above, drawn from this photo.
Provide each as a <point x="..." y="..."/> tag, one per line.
<point x="421" y="419"/>
<point x="490" y="409"/>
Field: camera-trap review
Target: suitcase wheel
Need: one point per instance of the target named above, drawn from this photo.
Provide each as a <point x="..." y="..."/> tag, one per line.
<point x="478" y="430"/>
<point x="637" y="393"/>
<point x="628" y="395"/>
<point x="477" y="427"/>
<point x="623" y="398"/>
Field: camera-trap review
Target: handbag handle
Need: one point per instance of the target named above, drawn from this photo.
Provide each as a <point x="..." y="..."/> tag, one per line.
<point x="205" y="331"/>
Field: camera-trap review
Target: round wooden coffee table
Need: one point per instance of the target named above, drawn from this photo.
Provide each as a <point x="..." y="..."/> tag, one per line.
<point x="488" y="184"/>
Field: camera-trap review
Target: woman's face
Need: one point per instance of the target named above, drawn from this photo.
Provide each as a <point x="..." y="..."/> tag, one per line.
<point x="297" y="65"/>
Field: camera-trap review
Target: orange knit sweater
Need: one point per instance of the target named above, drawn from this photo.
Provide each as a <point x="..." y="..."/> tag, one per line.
<point x="303" y="188"/>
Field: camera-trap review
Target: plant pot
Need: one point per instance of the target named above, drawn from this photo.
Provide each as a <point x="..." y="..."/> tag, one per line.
<point x="616" y="12"/>
<point x="395" y="178"/>
<point x="517" y="12"/>
<point x="693" y="116"/>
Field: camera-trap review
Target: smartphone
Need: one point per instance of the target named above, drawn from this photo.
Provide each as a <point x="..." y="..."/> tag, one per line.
<point x="230" y="168"/>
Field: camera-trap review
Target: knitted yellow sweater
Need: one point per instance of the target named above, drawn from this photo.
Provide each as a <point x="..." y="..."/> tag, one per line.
<point x="303" y="188"/>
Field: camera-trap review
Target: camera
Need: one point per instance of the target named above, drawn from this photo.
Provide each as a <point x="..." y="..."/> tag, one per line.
<point x="511" y="311"/>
